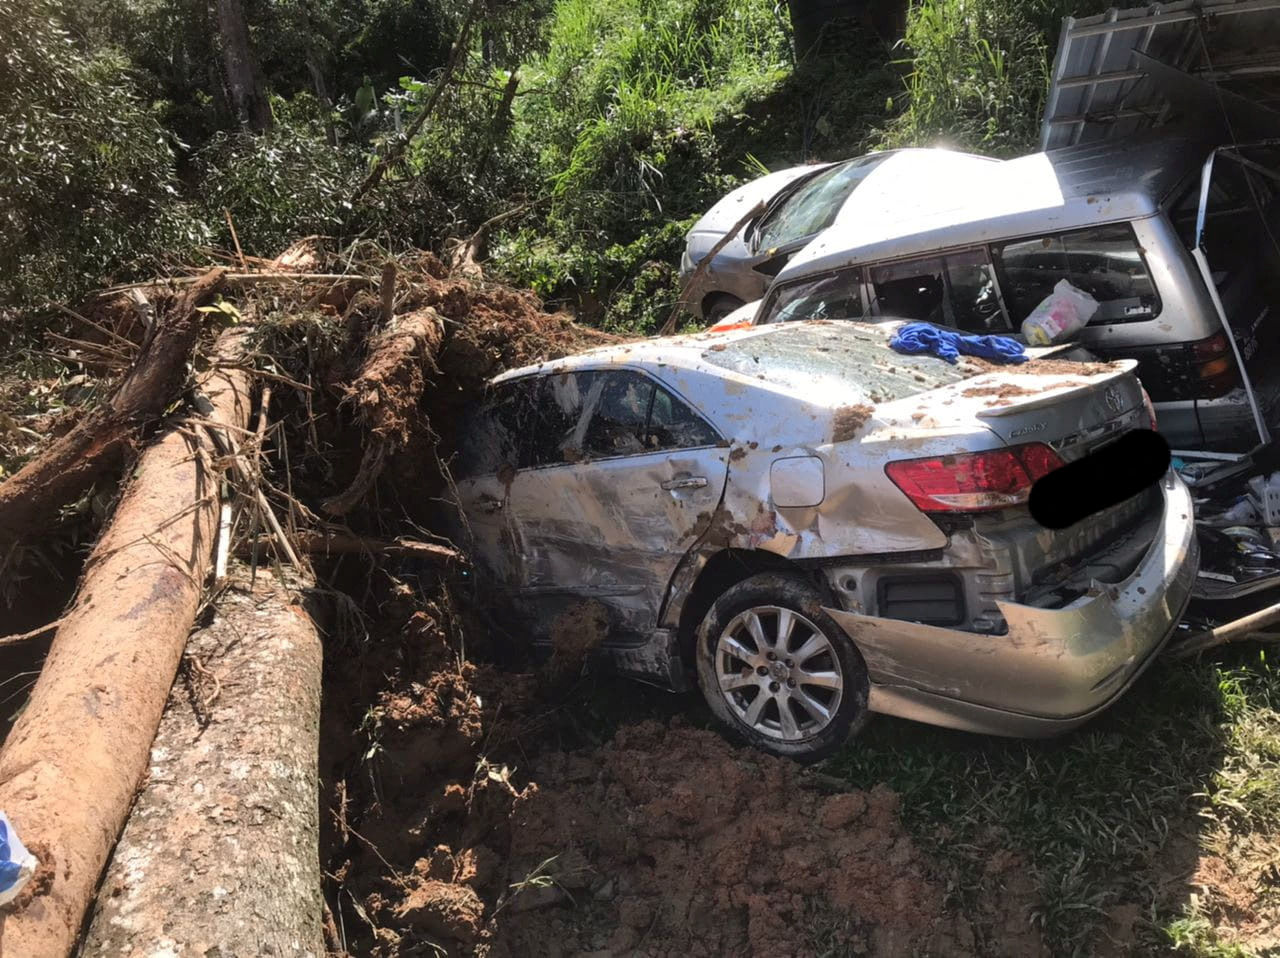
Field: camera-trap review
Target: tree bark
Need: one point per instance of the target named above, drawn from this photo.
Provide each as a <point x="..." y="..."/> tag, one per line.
<point x="74" y="759"/>
<point x="221" y="852"/>
<point x="386" y="394"/>
<point x="32" y="496"/>
<point x="244" y="79"/>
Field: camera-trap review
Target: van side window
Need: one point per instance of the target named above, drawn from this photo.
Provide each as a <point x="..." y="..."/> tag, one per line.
<point x="956" y="290"/>
<point x="1104" y="261"/>
<point x="494" y="433"/>
<point x="836" y="295"/>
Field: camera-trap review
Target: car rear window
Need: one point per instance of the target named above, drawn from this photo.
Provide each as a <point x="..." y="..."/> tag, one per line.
<point x="835" y="359"/>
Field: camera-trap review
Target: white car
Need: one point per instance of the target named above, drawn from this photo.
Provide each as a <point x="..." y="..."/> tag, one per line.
<point x="811" y="527"/>
<point x="798" y="203"/>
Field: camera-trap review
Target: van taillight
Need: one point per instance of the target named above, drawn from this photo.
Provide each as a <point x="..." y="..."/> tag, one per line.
<point x="1214" y="366"/>
<point x="973" y="481"/>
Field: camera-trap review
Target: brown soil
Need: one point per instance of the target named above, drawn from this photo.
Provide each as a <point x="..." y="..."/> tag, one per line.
<point x="850" y="419"/>
<point x="998" y="391"/>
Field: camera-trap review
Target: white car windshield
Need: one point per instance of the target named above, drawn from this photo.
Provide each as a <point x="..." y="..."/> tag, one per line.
<point x="813" y="207"/>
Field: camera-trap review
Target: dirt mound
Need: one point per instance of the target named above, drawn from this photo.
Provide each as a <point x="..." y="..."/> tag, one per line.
<point x="668" y="841"/>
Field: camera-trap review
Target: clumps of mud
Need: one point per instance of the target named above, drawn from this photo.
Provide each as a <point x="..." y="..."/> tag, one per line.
<point x="670" y="841"/>
<point x="849" y="420"/>
<point x="575" y="634"/>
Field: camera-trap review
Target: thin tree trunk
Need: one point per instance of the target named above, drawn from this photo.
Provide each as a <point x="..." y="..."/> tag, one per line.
<point x="221" y="851"/>
<point x="74" y="759"/>
<point x="243" y="77"/>
<point x="31" y="497"/>
<point x="394" y="153"/>
<point x="316" y="68"/>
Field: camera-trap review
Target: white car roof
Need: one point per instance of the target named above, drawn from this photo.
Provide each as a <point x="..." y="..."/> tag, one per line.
<point x="929" y="203"/>
<point x="683" y="351"/>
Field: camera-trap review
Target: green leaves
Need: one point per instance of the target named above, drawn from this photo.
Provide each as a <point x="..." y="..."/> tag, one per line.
<point x="225" y="311"/>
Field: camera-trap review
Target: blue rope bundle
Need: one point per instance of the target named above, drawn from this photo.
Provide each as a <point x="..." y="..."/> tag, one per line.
<point x="948" y="345"/>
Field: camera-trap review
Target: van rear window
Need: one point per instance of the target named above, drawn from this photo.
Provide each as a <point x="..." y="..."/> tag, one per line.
<point x="1104" y="261"/>
<point x="845" y="359"/>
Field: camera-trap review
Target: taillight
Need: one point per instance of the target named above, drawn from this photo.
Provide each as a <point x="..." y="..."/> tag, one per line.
<point x="1214" y="365"/>
<point x="973" y="481"/>
<point x="1211" y="348"/>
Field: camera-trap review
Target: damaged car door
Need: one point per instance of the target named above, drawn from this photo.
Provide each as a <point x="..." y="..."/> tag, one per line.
<point x="620" y="472"/>
<point x="489" y="461"/>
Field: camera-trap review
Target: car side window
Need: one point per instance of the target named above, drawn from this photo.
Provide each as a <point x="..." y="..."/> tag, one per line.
<point x="1104" y="261"/>
<point x="673" y="425"/>
<point x="494" y="432"/>
<point x="555" y="436"/>
<point x="956" y="290"/>
<point x="619" y="415"/>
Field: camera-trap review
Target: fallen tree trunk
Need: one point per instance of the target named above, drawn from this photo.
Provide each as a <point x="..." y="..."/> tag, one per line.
<point x="221" y="852"/>
<point x="74" y="759"/>
<point x="704" y="266"/>
<point x="32" y="496"/>
<point x="386" y="392"/>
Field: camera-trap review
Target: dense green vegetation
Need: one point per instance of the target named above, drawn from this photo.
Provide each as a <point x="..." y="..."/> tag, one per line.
<point x="603" y="128"/>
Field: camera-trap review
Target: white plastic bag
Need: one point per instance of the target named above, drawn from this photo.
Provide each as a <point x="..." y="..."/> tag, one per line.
<point x="17" y="865"/>
<point x="1059" y="316"/>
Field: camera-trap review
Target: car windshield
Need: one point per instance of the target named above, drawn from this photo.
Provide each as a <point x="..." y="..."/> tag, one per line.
<point x="813" y="207"/>
<point x="835" y="360"/>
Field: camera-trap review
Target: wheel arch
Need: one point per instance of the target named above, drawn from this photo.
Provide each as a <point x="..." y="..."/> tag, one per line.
<point x="720" y="572"/>
<point x="710" y="300"/>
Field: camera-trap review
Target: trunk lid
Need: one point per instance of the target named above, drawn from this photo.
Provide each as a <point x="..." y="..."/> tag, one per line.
<point x="1072" y="406"/>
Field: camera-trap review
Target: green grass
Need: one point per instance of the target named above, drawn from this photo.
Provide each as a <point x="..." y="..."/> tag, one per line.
<point x="1190" y="753"/>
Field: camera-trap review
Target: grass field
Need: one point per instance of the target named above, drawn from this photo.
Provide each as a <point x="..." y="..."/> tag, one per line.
<point x="1156" y="825"/>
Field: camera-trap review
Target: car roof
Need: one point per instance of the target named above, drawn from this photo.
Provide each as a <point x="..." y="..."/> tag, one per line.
<point x="685" y="351"/>
<point x="688" y="351"/>
<point x="911" y="211"/>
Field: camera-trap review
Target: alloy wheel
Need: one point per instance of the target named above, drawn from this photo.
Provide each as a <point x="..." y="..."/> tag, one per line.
<point x="778" y="673"/>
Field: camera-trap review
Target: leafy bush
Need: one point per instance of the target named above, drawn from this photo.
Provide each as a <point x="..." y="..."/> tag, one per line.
<point x="278" y="185"/>
<point x="634" y="98"/>
<point x="87" y="170"/>
<point x="979" y="72"/>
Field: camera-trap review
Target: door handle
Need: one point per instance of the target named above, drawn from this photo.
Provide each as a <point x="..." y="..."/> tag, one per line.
<point x="689" y="482"/>
<point x="489" y="504"/>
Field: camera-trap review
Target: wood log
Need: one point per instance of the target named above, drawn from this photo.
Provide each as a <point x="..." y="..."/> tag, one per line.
<point x="32" y="496"/>
<point x="73" y="761"/>
<point x="385" y="394"/>
<point x="221" y="852"/>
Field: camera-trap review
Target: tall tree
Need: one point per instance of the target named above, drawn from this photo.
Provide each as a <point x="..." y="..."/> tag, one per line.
<point x="244" y="79"/>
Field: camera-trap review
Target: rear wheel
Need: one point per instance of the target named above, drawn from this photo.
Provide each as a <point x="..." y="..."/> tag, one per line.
<point x="778" y="672"/>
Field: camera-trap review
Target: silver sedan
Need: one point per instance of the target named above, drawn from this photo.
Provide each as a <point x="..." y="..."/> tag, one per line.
<point x="811" y="527"/>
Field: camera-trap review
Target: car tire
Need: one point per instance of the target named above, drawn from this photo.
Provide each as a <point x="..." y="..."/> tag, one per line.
<point x="721" y="306"/>
<point x="752" y="686"/>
